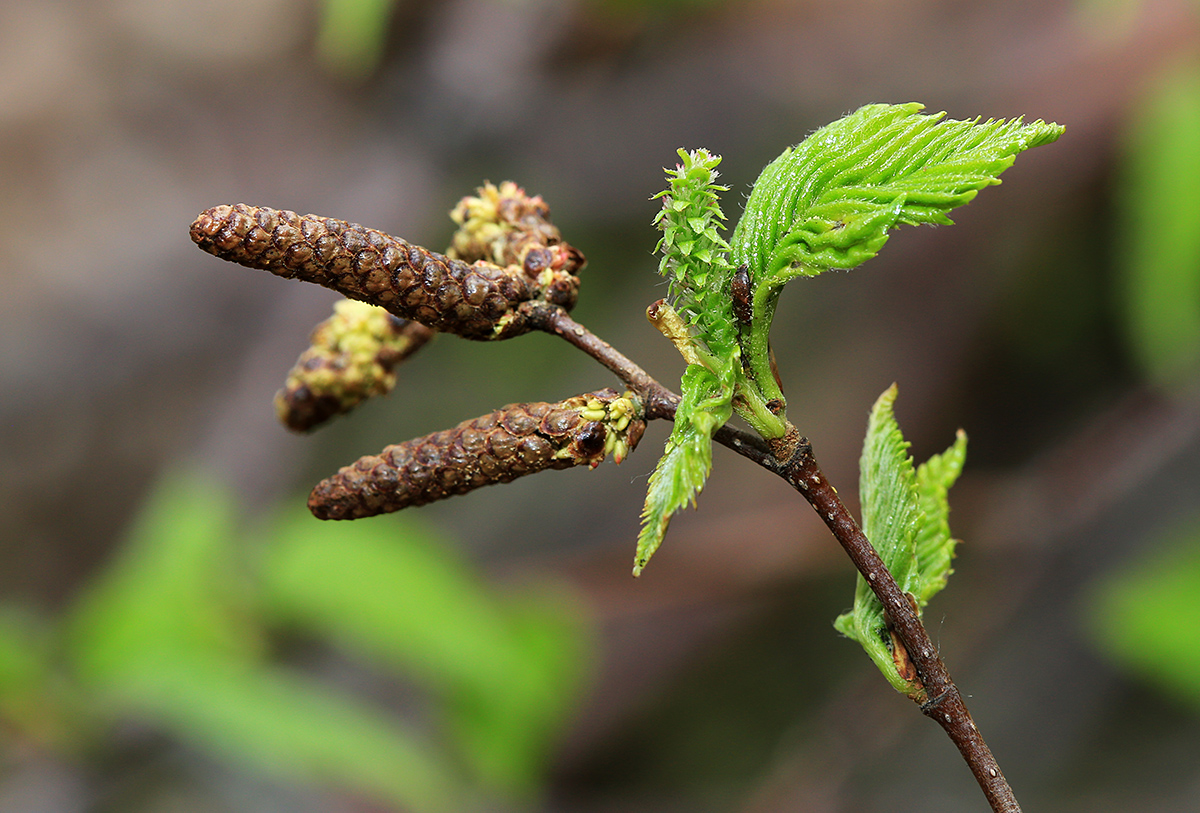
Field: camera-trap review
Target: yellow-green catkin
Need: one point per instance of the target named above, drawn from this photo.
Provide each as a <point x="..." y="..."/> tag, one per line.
<point x="352" y="356"/>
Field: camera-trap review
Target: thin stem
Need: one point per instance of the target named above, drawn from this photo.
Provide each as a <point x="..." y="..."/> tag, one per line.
<point x="657" y="400"/>
<point x="939" y="698"/>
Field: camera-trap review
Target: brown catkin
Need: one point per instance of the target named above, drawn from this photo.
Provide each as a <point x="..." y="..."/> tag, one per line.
<point x="499" y="447"/>
<point x="351" y="357"/>
<point x="480" y="300"/>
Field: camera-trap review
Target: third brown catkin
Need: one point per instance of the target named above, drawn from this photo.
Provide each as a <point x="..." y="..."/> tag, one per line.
<point x="499" y="447"/>
<point x="351" y="356"/>
<point x="480" y="300"/>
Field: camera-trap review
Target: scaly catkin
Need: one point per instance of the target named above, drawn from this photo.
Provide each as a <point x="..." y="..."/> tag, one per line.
<point x="499" y="447"/>
<point x="477" y="301"/>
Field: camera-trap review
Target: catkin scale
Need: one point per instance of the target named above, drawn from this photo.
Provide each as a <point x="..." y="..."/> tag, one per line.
<point x="479" y="300"/>
<point x="499" y="447"/>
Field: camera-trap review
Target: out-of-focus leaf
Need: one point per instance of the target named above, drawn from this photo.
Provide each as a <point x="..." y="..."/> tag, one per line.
<point x="174" y="588"/>
<point x="403" y="599"/>
<point x="905" y="516"/>
<point x="507" y="732"/>
<point x="36" y="702"/>
<point x="1159" y="230"/>
<point x="23" y="665"/>
<point x="273" y="721"/>
<point x="1146" y="615"/>
<point x="352" y="36"/>
<point x="165" y="637"/>
<point x="388" y="589"/>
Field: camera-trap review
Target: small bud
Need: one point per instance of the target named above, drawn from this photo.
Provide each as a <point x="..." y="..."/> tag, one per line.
<point x="351" y="358"/>
<point x="739" y="290"/>
<point x="499" y="447"/>
<point x="477" y="301"/>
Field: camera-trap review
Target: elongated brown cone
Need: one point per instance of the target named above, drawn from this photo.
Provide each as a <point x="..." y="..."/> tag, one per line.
<point x="498" y="447"/>
<point x="351" y="357"/>
<point x="478" y="301"/>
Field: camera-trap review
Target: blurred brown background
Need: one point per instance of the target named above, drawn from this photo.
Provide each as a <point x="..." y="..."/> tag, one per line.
<point x="719" y="683"/>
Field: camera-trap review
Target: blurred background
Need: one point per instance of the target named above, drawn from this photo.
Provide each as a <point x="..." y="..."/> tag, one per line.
<point x="177" y="634"/>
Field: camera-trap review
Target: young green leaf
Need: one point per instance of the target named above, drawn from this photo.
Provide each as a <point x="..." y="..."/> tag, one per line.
<point x="905" y="513"/>
<point x="932" y="544"/>
<point x="680" y="474"/>
<point x="830" y="201"/>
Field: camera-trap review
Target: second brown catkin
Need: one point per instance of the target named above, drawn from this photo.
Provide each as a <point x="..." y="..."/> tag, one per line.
<point x="499" y="447"/>
<point x="479" y="300"/>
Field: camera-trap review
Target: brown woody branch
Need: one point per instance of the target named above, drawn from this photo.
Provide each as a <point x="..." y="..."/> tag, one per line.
<point x="940" y="699"/>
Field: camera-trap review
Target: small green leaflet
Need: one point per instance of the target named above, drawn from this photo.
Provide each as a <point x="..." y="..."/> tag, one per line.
<point x="905" y="515"/>
<point x="687" y="461"/>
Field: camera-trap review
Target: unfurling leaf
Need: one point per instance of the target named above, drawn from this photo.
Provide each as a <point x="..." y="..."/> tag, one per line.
<point x="905" y="516"/>
<point x="830" y="201"/>
<point x="695" y="256"/>
<point x="700" y="323"/>
<point x="932" y="544"/>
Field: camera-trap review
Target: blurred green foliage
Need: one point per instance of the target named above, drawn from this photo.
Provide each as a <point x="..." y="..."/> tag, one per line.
<point x="1145" y="617"/>
<point x="1159" y="223"/>
<point x="352" y="36"/>
<point x="178" y="633"/>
